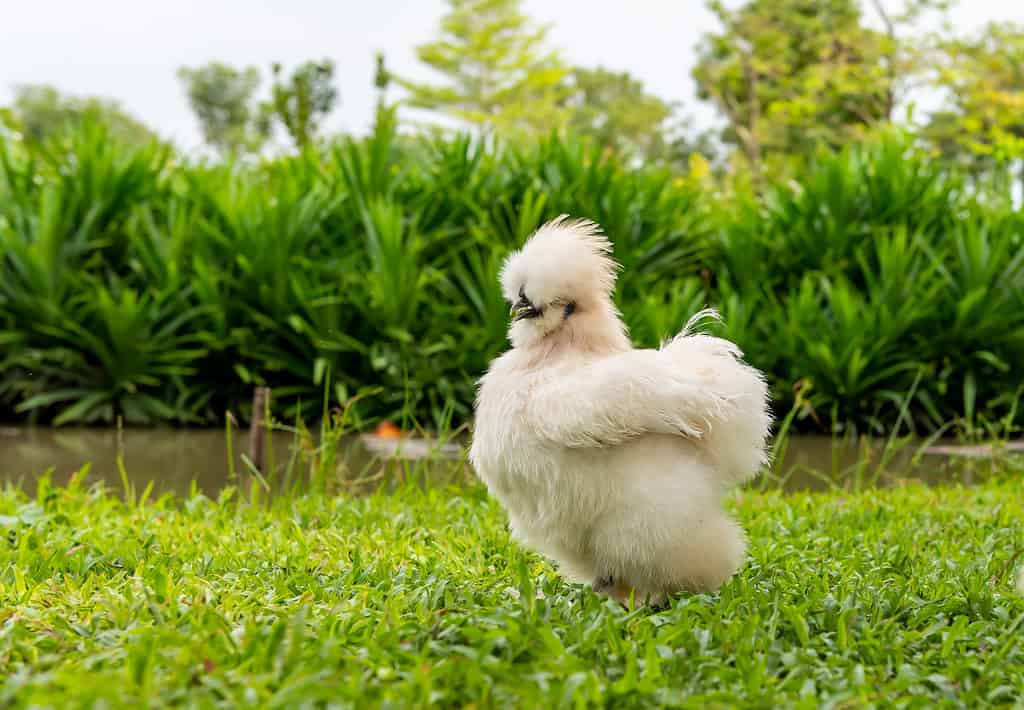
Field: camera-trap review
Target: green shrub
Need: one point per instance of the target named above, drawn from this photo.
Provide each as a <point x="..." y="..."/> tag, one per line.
<point x="133" y="285"/>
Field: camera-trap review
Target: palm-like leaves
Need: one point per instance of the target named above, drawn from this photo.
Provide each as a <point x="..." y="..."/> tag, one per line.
<point x="135" y="287"/>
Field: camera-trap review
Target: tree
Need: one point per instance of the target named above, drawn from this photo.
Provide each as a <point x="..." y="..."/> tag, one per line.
<point x="983" y="80"/>
<point x="907" y="52"/>
<point x="42" y="112"/>
<point x="222" y="98"/>
<point x="615" y="109"/>
<point x="792" y="74"/>
<point x="686" y="146"/>
<point x="498" y="74"/>
<point x="304" y="99"/>
<point x="381" y="80"/>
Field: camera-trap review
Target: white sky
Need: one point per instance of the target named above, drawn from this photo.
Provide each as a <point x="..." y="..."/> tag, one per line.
<point x="130" y="49"/>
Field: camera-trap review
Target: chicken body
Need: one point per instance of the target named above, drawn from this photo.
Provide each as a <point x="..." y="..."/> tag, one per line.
<point x="610" y="460"/>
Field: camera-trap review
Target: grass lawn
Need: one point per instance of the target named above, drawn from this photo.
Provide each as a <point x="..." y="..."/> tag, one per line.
<point x="887" y="597"/>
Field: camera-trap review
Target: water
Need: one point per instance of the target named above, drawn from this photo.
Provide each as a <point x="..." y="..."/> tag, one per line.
<point x="173" y="458"/>
<point x="821" y="463"/>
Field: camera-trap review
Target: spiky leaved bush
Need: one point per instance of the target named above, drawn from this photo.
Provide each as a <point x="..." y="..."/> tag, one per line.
<point x="878" y="284"/>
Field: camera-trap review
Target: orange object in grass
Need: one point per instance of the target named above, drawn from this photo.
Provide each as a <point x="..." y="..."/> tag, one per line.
<point x="387" y="430"/>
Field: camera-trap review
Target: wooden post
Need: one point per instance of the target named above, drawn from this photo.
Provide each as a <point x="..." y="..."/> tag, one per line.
<point x="257" y="427"/>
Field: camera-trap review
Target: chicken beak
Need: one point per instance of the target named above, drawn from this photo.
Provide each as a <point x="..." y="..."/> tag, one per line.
<point x="523" y="309"/>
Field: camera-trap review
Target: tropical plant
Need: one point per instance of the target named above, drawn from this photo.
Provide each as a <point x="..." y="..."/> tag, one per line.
<point x="880" y="289"/>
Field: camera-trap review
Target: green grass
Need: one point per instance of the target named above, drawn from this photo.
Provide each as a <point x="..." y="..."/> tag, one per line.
<point x="903" y="596"/>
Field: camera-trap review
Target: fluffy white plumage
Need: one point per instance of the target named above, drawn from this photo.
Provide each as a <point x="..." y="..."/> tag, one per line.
<point x="612" y="460"/>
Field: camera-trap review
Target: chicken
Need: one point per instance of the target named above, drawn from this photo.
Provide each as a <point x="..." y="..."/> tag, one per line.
<point x="613" y="461"/>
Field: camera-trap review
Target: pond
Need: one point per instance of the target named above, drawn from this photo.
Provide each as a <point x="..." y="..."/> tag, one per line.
<point x="173" y="458"/>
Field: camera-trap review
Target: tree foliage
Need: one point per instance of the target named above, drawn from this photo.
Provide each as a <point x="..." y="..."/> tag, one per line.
<point x="983" y="79"/>
<point x="381" y="79"/>
<point x="302" y="100"/>
<point x="223" y="99"/>
<point x="40" y="112"/>
<point x="497" y="73"/>
<point x="792" y="74"/>
<point x="617" y="111"/>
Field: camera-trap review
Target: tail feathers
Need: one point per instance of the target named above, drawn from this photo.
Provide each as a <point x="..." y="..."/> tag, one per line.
<point x="737" y="440"/>
<point x="698" y="319"/>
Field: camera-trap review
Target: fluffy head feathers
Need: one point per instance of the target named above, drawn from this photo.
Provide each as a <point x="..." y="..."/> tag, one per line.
<point x="565" y="261"/>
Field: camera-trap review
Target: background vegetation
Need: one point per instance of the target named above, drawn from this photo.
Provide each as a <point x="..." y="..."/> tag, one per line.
<point x="862" y="255"/>
<point x="134" y="285"/>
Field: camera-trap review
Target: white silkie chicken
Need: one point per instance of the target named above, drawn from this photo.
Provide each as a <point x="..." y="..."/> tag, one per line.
<point x="613" y="461"/>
